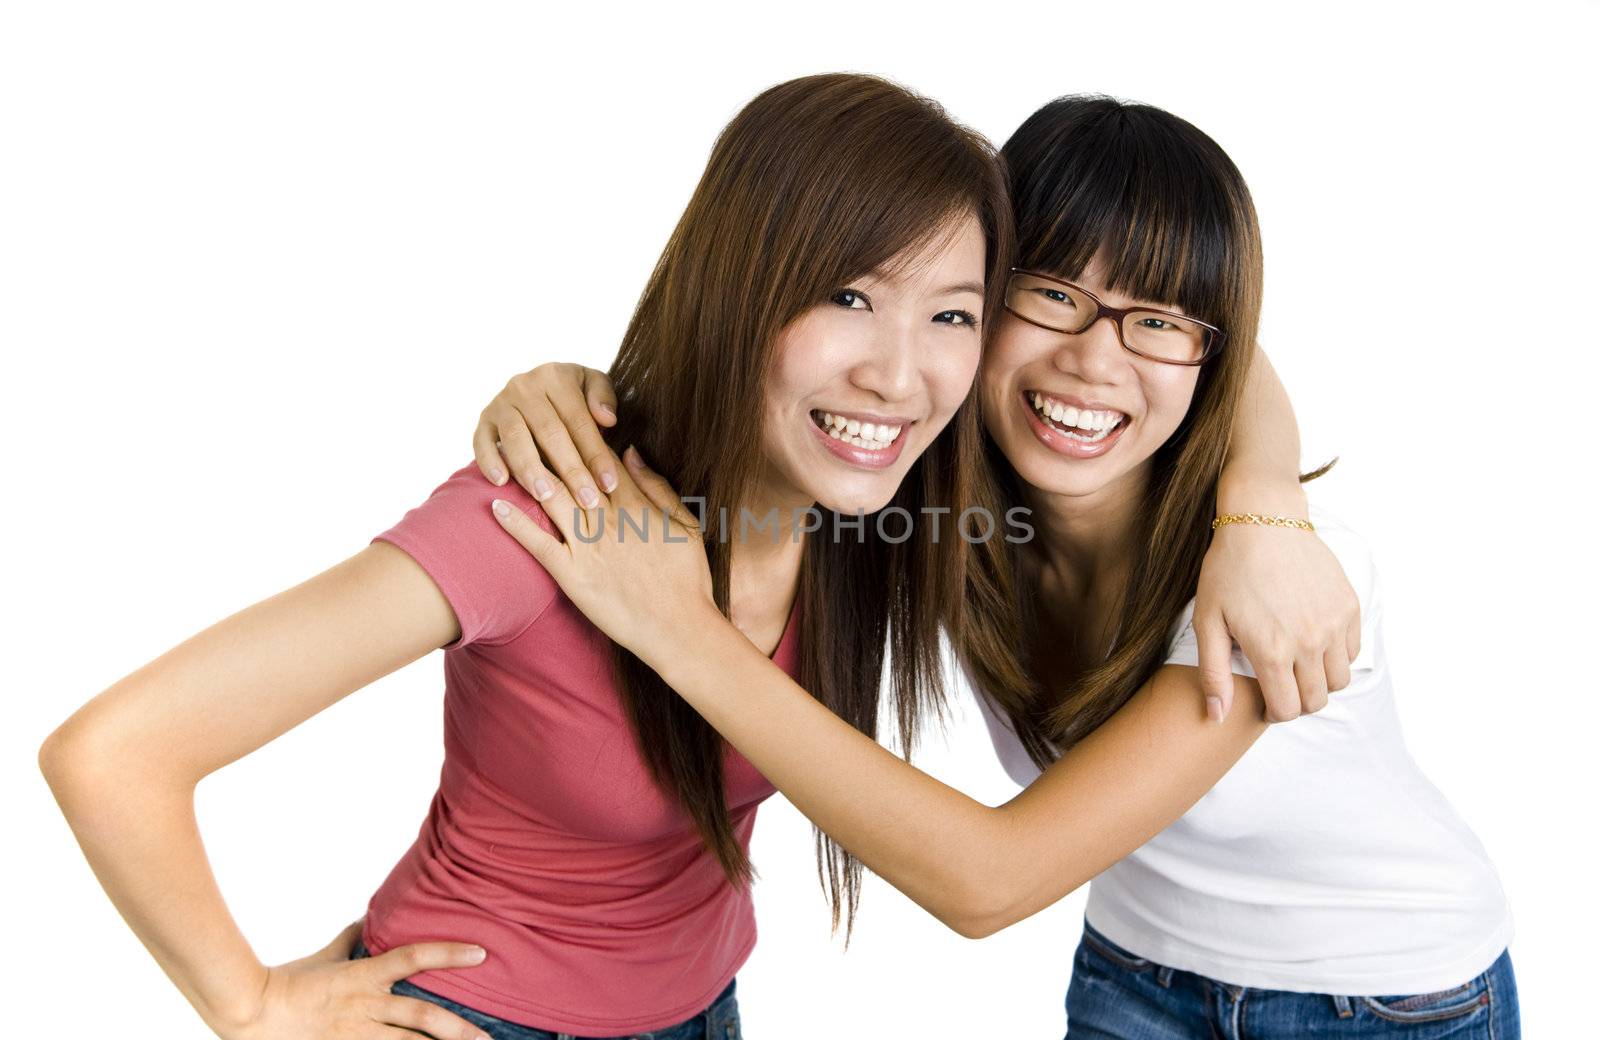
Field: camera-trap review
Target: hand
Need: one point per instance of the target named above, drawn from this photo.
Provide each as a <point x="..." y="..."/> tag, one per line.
<point x="1282" y="596"/>
<point x="541" y="422"/>
<point x="327" y="996"/>
<point x="639" y="590"/>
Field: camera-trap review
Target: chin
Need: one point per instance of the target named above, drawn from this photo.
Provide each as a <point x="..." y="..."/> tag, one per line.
<point x="851" y="504"/>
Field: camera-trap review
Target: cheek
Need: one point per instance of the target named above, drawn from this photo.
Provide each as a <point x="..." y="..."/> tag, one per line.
<point x="1010" y="349"/>
<point x="950" y="374"/>
<point x="1168" y="393"/>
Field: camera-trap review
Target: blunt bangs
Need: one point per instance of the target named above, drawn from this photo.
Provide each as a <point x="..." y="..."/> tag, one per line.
<point x="1146" y="190"/>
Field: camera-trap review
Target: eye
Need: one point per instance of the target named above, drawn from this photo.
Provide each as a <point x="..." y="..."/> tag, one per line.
<point x="852" y="298"/>
<point x="955" y="318"/>
<point x="1054" y="295"/>
<point x="1158" y="324"/>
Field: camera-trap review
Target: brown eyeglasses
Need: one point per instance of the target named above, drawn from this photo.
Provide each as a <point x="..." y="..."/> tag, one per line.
<point x="1060" y="306"/>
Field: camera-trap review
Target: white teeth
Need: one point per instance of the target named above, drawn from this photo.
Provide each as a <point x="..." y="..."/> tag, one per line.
<point x="1098" y="423"/>
<point x="872" y="436"/>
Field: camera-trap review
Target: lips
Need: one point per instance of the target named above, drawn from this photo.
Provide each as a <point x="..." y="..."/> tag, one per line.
<point x="876" y="442"/>
<point x="1072" y="441"/>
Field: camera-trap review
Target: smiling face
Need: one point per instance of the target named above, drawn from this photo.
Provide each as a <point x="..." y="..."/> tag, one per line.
<point x="1077" y="415"/>
<point x="862" y="383"/>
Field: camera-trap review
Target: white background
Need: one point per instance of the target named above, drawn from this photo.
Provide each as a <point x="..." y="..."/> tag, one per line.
<point x="261" y="265"/>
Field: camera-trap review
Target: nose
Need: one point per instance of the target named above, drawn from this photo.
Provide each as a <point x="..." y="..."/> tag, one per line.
<point x="889" y="368"/>
<point x="1094" y="355"/>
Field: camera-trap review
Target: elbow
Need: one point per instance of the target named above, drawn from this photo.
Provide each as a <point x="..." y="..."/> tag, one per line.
<point x="78" y="757"/>
<point x="970" y="927"/>
<point x="981" y="922"/>
<point x="57" y="755"/>
<point x="979" y="910"/>
<point x="66" y="762"/>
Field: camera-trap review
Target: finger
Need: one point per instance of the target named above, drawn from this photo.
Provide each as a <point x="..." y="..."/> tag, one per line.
<point x="1352" y="639"/>
<point x="428" y="1018"/>
<point x="522" y="455"/>
<point x="486" y="452"/>
<point x="1312" y="683"/>
<point x="551" y="553"/>
<point x="1280" y="691"/>
<point x="602" y="396"/>
<point x="1337" y="668"/>
<point x="1216" y="666"/>
<point x="582" y="436"/>
<point x="405" y="961"/>
<point x="557" y="448"/>
<point x="659" y="490"/>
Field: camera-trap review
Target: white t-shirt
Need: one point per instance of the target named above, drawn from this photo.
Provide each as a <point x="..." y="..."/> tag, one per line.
<point x="1323" y="862"/>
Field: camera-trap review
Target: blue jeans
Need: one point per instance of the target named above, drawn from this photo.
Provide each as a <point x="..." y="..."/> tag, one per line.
<point x="719" y="1021"/>
<point x="1117" y="995"/>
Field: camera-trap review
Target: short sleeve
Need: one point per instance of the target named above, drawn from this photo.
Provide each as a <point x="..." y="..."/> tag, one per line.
<point x="495" y="586"/>
<point x="1355" y="558"/>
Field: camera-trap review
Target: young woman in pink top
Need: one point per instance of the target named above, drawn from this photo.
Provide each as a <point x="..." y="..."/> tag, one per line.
<point x="603" y="887"/>
<point x="582" y="869"/>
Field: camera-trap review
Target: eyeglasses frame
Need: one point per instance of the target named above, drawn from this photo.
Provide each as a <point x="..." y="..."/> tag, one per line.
<point x="1213" y="344"/>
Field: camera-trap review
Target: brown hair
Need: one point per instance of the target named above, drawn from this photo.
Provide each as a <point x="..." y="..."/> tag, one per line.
<point x="816" y="182"/>
<point x="1172" y="216"/>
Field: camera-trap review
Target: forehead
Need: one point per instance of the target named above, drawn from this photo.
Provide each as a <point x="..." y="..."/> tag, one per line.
<point x="951" y="256"/>
<point x="1093" y="278"/>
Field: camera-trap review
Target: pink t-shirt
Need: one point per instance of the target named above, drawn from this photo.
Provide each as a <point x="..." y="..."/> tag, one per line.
<point x="548" y="842"/>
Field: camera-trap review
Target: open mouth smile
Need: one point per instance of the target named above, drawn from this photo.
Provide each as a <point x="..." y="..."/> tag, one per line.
<point x="864" y="440"/>
<point x="1070" y="430"/>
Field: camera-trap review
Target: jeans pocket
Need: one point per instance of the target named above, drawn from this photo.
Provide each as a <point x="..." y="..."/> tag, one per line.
<point x="1439" y="1006"/>
<point x="1094" y="942"/>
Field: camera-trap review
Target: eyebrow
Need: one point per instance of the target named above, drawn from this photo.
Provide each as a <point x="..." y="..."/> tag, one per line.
<point x="961" y="287"/>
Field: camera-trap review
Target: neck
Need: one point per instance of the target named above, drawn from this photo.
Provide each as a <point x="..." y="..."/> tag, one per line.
<point x="1084" y="545"/>
<point x="764" y="554"/>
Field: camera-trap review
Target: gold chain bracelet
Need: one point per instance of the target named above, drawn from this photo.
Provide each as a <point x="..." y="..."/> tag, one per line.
<point x="1257" y="518"/>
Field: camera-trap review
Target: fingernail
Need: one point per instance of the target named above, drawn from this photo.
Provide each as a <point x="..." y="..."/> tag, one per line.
<point x="497" y="477"/>
<point x="1214" y="708"/>
<point x="608" y="480"/>
<point x="500" y="507"/>
<point x="606" y="410"/>
<point x="477" y="953"/>
<point x="589" y="497"/>
<point x="632" y="456"/>
<point x="542" y="489"/>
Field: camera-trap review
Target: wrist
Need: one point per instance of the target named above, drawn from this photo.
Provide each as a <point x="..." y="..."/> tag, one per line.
<point x="1257" y="493"/>
<point x="682" y="633"/>
<point x="695" y="636"/>
<point x="233" y="1014"/>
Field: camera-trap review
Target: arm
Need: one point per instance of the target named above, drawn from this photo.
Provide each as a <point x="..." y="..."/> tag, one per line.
<point x="124" y="768"/>
<point x="976" y="868"/>
<point x="1280" y="594"/>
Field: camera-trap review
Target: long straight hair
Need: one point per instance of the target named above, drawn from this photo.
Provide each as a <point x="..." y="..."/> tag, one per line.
<point x="1170" y="212"/>
<point x="816" y="182"/>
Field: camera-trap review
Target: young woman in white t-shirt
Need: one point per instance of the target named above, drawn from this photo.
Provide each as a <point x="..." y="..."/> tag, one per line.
<point x="1294" y="881"/>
